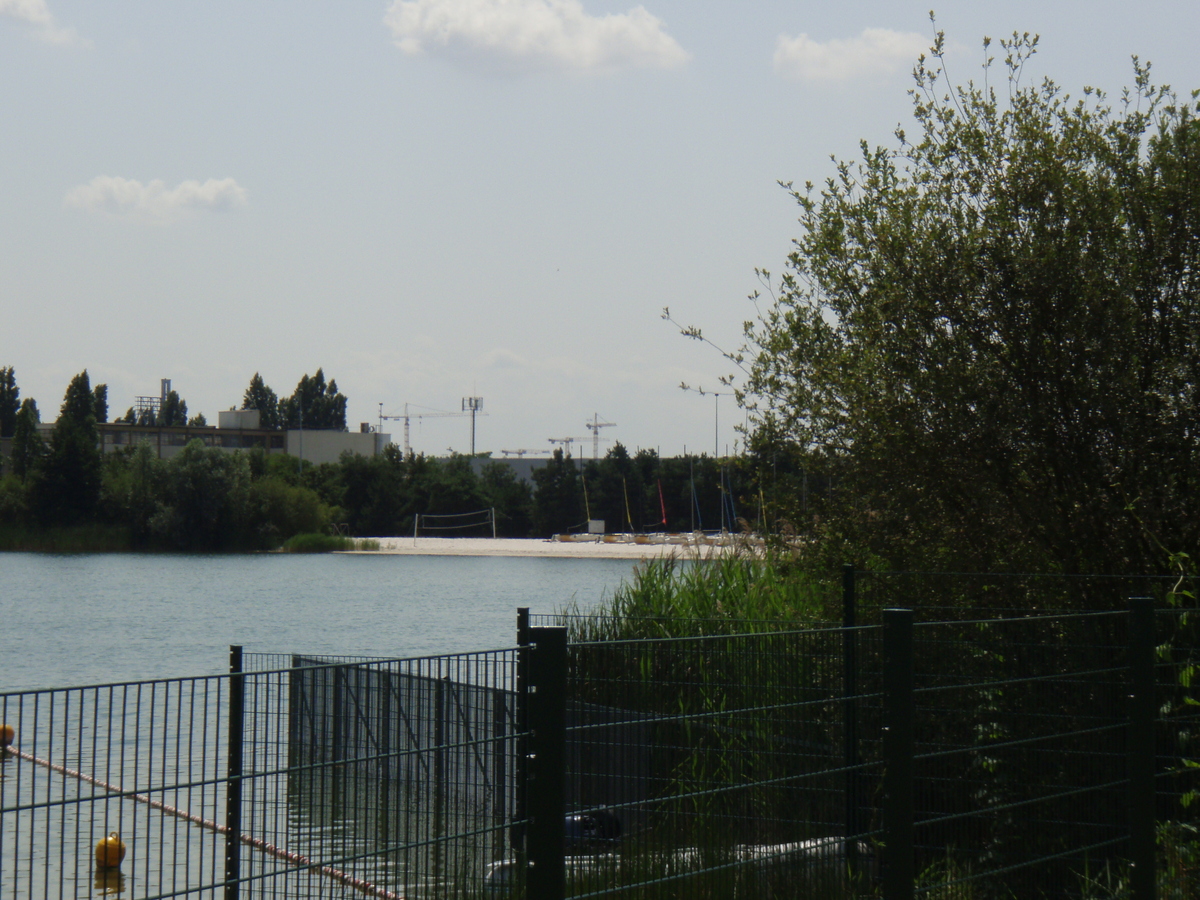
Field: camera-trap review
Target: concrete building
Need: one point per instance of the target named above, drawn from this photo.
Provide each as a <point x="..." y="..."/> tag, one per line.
<point x="236" y="429"/>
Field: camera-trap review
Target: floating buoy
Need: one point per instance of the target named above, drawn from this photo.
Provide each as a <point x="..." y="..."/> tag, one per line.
<point x="7" y="734"/>
<point x="110" y="851"/>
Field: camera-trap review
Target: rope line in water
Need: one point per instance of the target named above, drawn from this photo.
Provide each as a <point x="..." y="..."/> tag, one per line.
<point x="359" y="884"/>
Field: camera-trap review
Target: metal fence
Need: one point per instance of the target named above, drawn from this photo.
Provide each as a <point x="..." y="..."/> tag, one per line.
<point x="327" y="778"/>
<point x="972" y="758"/>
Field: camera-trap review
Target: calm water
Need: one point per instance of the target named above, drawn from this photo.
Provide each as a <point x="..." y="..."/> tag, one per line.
<point x="72" y="620"/>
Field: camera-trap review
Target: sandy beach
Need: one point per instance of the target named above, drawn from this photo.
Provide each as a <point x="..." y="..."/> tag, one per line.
<point x="579" y="549"/>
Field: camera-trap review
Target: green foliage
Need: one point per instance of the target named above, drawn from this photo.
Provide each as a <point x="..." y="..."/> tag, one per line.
<point x="93" y="538"/>
<point x="172" y="412"/>
<point x="259" y="396"/>
<point x="986" y="336"/>
<point x="278" y="509"/>
<point x="132" y="484"/>
<point x="66" y="487"/>
<point x="558" y="500"/>
<point x="320" y="543"/>
<point x="27" y="445"/>
<point x="14" y="502"/>
<point x="500" y="489"/>
<point x="9" y="401"/>
<point x="204" y="500"/>
<point x="100" y="403"/>
<point x="733" y="592"/>
<point x="313" y="405"/>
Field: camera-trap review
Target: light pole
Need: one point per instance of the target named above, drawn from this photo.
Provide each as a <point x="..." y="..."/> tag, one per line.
<point x="716" y="395"/>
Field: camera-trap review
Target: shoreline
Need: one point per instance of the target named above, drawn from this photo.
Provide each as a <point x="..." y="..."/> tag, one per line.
<point x="538" y="547"/>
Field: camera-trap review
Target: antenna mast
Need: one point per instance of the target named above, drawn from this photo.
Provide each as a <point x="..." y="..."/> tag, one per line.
<point x="472" y="405"/>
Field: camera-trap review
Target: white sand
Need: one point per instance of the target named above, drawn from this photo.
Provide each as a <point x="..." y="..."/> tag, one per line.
<point x="591" y="549"/>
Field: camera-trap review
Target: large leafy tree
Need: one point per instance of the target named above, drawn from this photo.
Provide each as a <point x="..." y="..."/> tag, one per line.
<point x="988" y="336"/>
<point x="314" y="405"/>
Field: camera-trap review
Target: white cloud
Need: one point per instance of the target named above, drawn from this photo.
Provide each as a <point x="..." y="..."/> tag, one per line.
<point x="532" y="34"/>
<point x="155" y="202"/>
<point x="37" y="14"/>
<point x="877" y="51"/>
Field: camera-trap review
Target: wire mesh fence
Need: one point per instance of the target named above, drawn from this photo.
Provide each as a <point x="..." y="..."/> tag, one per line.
<point x="1020" y="756"/>
<point x="960" y="759"/>
<point x="348" y="778"/>
<point x="142" y="760"/>
<point x="736" y="747"/>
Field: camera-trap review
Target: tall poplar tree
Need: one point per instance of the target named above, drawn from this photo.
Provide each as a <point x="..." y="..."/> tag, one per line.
<point x="259" y="396"/>
<point x="9" y="401"/>
<point x="67" y="483"/>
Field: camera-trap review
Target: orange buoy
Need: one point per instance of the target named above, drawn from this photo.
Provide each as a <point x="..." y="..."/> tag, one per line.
<point x="7" y="734"/>
<point x="110" y="851"/>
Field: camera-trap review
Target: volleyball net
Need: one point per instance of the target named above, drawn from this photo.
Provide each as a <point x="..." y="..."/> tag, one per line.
<point x="479" y="523"/>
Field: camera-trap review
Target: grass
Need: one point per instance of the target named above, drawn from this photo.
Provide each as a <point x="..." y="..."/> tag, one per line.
<point x="77" y="539"/>
<point x="731" y="593"/>
<point x="326" y="543"/>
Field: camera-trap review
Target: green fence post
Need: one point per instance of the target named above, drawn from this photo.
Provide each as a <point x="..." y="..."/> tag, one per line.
<point x="546" y="800"/>
<point x="850" y="717"/>
<point x="1141" y="748"/>
<point x="233" y="774"/>
<point x="898" y="863"/>
<point x="516" y="838"/>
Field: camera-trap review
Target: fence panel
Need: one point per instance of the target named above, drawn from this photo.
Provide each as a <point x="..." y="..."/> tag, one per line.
<point x="1020" y="765"/>
<point x="708" y="767"/>
<point x="142" y="760"/>
<point x="395" y="775"/>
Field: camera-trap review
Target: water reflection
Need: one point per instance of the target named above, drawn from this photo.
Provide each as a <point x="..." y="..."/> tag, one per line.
<point x="109" y="882"/>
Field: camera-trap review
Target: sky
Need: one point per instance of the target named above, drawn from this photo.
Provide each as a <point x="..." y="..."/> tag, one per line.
<point x="440" y="199"/>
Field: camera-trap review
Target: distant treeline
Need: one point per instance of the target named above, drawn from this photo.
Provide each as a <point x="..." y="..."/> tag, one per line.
<point x="206" y="499"/>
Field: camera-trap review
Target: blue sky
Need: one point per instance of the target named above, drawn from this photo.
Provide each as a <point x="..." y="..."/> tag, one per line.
<point x="434" y="199"/>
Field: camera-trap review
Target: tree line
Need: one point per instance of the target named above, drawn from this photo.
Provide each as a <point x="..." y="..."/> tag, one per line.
<point x="205" y="498"/>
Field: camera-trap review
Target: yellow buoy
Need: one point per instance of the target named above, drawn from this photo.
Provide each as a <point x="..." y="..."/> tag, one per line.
<point x="110" y="851"/>
<point x="7" y="734"/>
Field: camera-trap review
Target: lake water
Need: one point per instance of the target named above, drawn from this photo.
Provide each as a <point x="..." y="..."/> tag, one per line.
<point x="88" y="619"/>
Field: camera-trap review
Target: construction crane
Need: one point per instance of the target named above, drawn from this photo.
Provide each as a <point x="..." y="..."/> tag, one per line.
<point x="566" y="442"/>
<point x="520" y="453"/>
<point x="407" y="417"/>
<point x="594" y="426"/>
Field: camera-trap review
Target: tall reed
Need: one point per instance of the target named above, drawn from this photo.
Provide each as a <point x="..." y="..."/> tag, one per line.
<point x="730" y="593"/>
